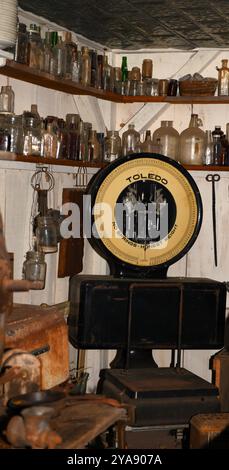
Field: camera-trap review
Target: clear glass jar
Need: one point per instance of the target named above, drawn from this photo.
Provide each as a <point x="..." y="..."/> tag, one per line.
<point x="21" y="47"/>
<point x="150" y="86"/>
<point x="32" y="136"/>
<point x="130" y="141"/>
<point x="34" y="267"/>
<point x="134" y="88"/>
<point x="169" y="139"/>
<point x="113" y="146"/>
<point x="192" y="143"/>
<point x="46" y="234"/>
<point x="6" y="99"/>
<point x="14" y="126"/>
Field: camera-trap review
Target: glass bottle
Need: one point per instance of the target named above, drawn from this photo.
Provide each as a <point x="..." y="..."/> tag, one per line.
<point x="72" y="123"/>
<point x="32" y="135"/>
<point x="49" y="143"/>
<point x="124" y="69"/>
<point x="130" y="141"/>
<point x="217" y="132"/>
<point x="4" y="139"/>
<point x="47" y="53"/>
<point x="192" y="142"/>
<point x="148" y="146"/>
<point x="34" y="47"/>
<point x="21" y="45"/>
<point x="34" y="112"/>
<point x="85" y="67"/>
<point x="223" y="79"/>
<point x="62" y="139"/>
<point x="169" y="139"/>
<point x="76" y="67"/>
<point x="59" y="54"/>
<point x="101" y="140"/>
<point x="107" y="75"/>
<point x="34" y="267"/>
<point x="94" y="69"/>
<point x="100" y="83"/>
<point x="113" y="146"/>
<point x="70" y="48"/>
<point x="6" y="100"/>
<point x="85" y="128"/>
<point x="93" y="147"/>
<point x="53" y="59"/>
<point x="208" y="149"/>
<point x="217" y="150"/>
<point x="117" y="78"/>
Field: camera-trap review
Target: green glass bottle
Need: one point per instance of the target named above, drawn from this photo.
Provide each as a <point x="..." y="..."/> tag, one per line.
<point x="124" y="69"/>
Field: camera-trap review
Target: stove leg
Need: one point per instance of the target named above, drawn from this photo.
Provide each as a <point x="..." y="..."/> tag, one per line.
<point x="137" y="359"/>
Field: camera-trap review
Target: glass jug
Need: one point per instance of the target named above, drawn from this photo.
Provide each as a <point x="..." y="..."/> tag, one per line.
<point x="169" y="139"/>
<point x="192" y="143"/>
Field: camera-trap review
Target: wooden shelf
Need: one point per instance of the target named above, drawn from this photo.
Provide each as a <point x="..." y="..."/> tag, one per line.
<point x="197" y="99"/>
<point x="8" y="156"/>
<point x="27" y="74"/>
<point x="215" y="168"/>
<point x="13" y="157"/>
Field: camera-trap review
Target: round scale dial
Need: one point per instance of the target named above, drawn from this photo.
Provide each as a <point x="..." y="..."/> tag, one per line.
<point x="161" y="214"/>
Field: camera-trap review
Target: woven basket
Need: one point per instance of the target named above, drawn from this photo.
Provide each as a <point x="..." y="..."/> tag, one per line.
<point x="198" y="87"/>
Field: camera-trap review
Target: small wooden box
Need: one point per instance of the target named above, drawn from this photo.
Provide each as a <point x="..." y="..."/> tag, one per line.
<point x="209" y="431"/>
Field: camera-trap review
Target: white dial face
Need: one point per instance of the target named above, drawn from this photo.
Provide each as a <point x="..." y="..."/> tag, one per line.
<point x="146" y="180"/>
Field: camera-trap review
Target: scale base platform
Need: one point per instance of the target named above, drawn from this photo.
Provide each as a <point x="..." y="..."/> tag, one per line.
<point x="161" y="396"/>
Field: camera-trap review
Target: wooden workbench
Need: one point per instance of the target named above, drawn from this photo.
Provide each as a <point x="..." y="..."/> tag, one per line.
<point x="80" y="419"/>
<point x="79" y="422"/>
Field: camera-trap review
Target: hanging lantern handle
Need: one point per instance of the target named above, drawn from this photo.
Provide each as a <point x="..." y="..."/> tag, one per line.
<point x="36" y="179"/>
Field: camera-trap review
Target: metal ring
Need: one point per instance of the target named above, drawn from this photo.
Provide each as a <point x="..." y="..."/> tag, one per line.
<point x="213" y="178"/>
<point x="48" y="175"/>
